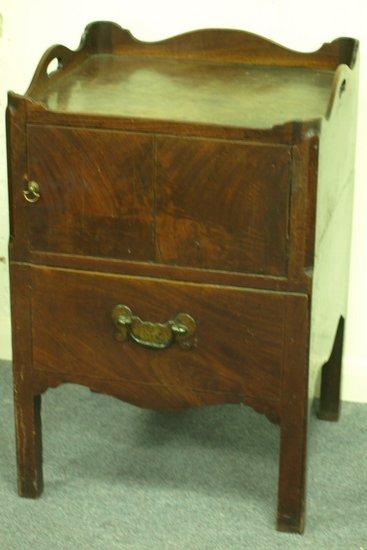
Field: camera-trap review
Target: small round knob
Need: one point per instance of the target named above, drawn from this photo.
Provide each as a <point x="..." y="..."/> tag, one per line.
<point x="32" y="193"/>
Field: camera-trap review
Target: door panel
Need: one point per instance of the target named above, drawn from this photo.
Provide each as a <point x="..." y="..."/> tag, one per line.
<point x="222" y="205"/>
<point x="96" y="192"/>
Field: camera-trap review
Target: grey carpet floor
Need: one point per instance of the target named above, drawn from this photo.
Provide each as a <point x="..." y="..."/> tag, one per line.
<point x="121" y="477"/>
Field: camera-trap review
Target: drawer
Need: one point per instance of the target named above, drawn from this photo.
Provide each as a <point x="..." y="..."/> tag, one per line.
<point x="233" y="340"/>
<point x="203" y="204"/>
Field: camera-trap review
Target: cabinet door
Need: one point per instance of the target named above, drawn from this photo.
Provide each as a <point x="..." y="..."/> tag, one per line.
<point x="222" y="205"/>
<point x="96" y="192"/>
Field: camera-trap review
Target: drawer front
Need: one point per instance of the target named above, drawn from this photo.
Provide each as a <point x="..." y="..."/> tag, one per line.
<point x="222" y="205"/>
<point x="96" y="192"/>
<point x="236" y="344"/>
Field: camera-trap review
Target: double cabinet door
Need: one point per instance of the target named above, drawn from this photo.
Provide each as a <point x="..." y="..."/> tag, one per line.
<point x="184" y="201"/>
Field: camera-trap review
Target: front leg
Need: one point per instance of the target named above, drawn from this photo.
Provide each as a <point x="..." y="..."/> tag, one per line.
<point x="292" y="470"/>
<point x="28" y="442"/>
<point x="293" y="420"/>
<point x="27" y="406"/>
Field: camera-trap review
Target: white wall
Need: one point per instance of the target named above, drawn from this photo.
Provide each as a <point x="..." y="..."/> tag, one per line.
<point x="29" y="27"/>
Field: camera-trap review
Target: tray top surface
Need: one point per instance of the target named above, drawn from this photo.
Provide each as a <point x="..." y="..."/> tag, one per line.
<point x="191" y="91"/>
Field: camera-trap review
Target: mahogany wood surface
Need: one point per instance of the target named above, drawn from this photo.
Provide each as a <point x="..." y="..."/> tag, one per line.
<point x="27" y="404"/>
<point x="217" y="206"/>
<point x="209" y="174"/>
<point x="97" y="192"/>
<point x="238" y="344"/>
<point x="145" y="207"/>
<point x="293" y="423"/>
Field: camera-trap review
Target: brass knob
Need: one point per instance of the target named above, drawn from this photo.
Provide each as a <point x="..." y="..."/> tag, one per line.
<point x="32" y="193"/>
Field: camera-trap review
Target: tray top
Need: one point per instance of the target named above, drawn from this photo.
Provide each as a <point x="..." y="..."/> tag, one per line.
<point x="212" y="76"/>
<point x="190" y="91"/>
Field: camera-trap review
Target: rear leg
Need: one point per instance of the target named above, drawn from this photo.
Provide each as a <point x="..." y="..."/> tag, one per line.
<point x="329" y="406"/>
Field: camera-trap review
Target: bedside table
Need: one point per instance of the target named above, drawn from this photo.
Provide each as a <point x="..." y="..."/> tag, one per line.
<point x="180" y="230"/>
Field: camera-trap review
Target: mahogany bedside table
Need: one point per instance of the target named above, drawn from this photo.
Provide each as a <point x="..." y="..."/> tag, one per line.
<point x="180" y="227"/>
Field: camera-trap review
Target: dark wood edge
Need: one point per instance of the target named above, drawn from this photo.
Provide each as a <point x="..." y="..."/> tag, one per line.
<point x="167" y="272"/>
<point x="164" y="280"/>
<point x="294" y="417"/>
<point x="26" y="406"/>
<point x="224" y="45"/>
<point x="303" y="207"/>
<point x="21" y="316"/>
<point x="282" y="135"/>
<point x="16" y="119"/>
<point x="311" y="173"/>
<point x="149" y="395"/>
<point x="107" y="37"/>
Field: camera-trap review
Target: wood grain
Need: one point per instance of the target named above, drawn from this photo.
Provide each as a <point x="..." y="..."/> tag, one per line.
<point x="238" y="344"/>
<point x="224" y="45"/>
<point x="294" y="418"/>
<point x="156" y="397"/>
<point x="284" y="134"/>
<point x="173" y="272"/>
<point x="209" y="173"/>
<point x="222" y="206"/>
<point x="17" y="173"/>
<point x="27" y="403"/>
<point x="96" y="192"/>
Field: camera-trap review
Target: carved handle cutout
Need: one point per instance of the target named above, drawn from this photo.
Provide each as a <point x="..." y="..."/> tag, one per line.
<point x="181" y="329"/>
<point x="54" y="65"/>
<point x="343" y="85"/>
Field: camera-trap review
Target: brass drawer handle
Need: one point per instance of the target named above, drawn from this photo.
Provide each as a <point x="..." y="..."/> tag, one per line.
<point x="153" y="335"/>
<point x="32" y="193"/>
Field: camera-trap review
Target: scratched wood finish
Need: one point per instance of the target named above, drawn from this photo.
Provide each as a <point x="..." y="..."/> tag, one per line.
<point x="158" y="177"/>
<point x="222" y="206"/>
<point x="238" y="346"/>
<point x="97" y="194"/>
